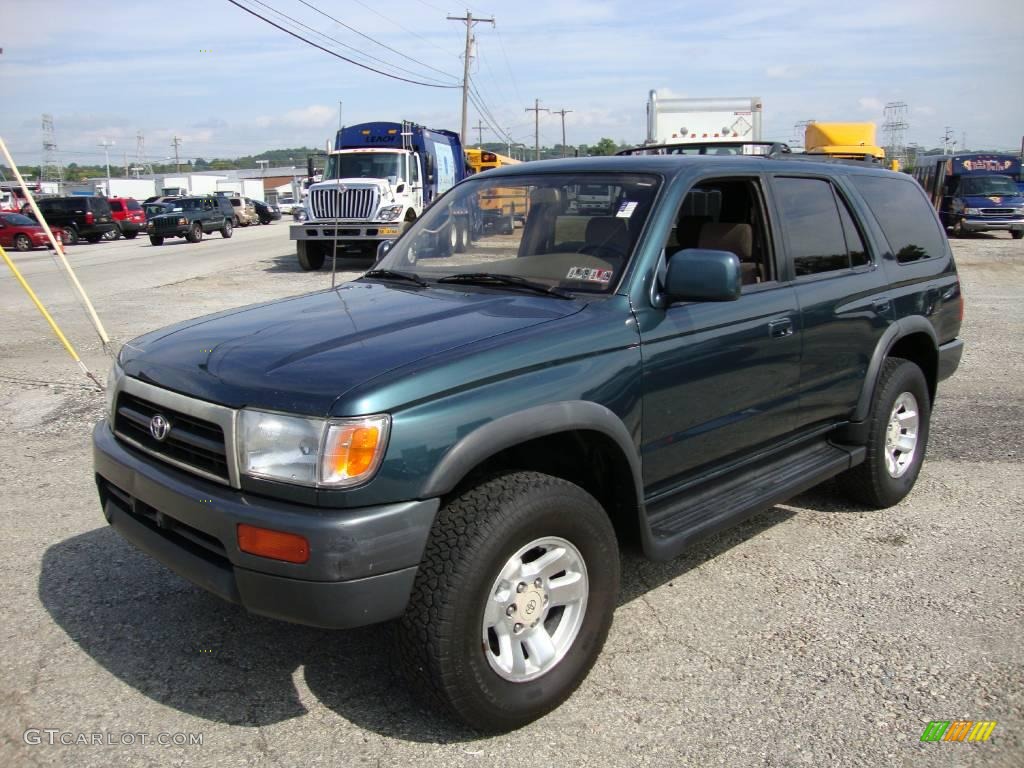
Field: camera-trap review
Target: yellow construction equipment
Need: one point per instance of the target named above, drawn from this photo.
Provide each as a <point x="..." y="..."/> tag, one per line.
<point x="849" y="140"/>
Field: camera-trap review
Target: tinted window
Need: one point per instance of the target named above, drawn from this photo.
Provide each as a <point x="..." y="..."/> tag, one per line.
<point x="906" y="218"/>
<point x="116" y="205"/>
<point x="854" y="242"/>
<point x="17" y="220"/>
<point x="133" y="205"/>
<point x="814" y="232"/>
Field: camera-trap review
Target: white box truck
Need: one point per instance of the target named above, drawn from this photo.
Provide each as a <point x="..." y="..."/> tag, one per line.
<point x="703" y="121"/>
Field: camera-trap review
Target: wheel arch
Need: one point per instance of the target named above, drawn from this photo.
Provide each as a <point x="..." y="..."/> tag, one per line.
<point x="579" y="441"/>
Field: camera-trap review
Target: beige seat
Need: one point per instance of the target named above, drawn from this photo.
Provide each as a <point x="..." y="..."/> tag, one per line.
<point x="737" y="239"/>
<point x="606" y="237"/>
<point x="539" y="227"/>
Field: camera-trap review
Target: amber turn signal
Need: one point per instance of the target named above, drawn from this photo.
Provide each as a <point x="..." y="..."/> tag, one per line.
<point x="277" y="545"/>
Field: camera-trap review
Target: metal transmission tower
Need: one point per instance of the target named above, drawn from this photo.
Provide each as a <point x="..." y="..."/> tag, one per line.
<point x="141" y="164"/>
<point x="895" y="130"/>
<point x="51" y="169"/>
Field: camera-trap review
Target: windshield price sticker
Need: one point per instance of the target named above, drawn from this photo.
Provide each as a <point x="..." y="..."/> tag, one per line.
<point x="590" y="274"/>
<point x="626" y="209"/>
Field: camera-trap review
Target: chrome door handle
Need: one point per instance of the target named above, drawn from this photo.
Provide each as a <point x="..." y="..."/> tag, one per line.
<point x="779" y="329"/>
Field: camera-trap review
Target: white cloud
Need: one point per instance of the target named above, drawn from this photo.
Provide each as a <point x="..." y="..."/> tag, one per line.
<point x="870" y="104"/>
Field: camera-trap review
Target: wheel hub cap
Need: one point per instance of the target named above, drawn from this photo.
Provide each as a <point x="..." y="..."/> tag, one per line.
<point x="535" y="609"/>
<point x="901" y="435"/>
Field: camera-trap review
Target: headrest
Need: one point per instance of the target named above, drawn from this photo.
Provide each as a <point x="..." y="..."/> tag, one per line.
<point x="543" y="195"/>
<point x="608" y="230"/>
<point x="737" y="238"/>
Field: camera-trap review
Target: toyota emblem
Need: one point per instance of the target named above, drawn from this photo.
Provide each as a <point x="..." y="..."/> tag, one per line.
<point x="159" y="427"/>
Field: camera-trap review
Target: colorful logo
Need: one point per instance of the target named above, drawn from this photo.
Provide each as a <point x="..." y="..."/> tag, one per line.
<point x="958" y="730"/>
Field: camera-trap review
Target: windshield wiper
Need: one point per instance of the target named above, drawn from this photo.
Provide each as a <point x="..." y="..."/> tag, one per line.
<point x="493" y="278"/>
<point x="390" y="274"/>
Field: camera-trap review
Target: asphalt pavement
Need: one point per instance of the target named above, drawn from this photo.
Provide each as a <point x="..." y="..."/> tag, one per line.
<point x="817" y="633"/>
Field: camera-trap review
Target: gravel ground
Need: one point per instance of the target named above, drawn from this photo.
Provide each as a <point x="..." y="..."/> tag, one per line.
<point x="814" y="634"/>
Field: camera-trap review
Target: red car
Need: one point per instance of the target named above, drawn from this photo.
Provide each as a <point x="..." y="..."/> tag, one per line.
<point x="21" y="232"/>
<point x="128" y="215"/>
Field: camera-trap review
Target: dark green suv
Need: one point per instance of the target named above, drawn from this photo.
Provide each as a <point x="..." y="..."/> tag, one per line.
<point x="458" y="440"/>
<point x="191" y="218"/>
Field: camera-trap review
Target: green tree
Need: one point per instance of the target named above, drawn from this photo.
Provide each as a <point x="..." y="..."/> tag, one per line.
<point x="604" y="146"/>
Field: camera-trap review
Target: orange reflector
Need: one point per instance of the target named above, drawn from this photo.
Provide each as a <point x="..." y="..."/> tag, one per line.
<point x="276" y="545"/>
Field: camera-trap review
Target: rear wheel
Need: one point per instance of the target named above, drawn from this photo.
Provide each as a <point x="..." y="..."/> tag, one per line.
<point x="958" y="228"/>
<point x="1017" y="234"/>
<point x="22" y="242"/>
<point x="156" y="240"/>
<point x="513" y="600"/>
<point x="69" y="235"/>
<point x="227" y="230"/>
<point x="311" y="255"/>
<point x="897" y="437"/>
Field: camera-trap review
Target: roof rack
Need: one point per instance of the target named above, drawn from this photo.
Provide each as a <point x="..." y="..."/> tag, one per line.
<point x="746" y="148"/>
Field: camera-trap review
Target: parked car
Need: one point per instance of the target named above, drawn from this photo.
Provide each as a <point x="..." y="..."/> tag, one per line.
<point x="22" y="233"/>
<point x="190" y="218"/>
<point x="245" y="213"/>
<point x="457" y="439"/>
<point x="266" y="212"/>
<point x="286" y="203"/>
<point x="129" y="217"/>
<point x="88" y="217"/>
<point x="155" y="209"/>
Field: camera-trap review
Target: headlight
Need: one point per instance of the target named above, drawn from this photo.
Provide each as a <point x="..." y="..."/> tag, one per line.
<point x="113" y="380"/>
<point x="183" y="221"/>
<point x="390" y="213"/>
<point x="972" y="211"/>
<point x="334" y="453"/>
<point x="1019" y="211"/>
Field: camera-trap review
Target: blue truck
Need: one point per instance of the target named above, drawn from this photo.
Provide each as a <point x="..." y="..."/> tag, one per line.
<point x="379" y="178"/>
<point x="974" y="192"/>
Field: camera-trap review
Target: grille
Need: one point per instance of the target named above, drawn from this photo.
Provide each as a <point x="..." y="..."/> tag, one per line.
<point x="166" y="224"/>
<point x="997" y="211"/>
<point x="192" y="443"/>
<point x="354" y="203"/>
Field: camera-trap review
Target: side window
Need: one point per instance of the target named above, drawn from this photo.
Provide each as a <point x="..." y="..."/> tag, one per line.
<point x="854" y="242"/>
<point x="726" y="215"/>
<point x="814" y="232"/>
<point x="907" y="220"/>
<point x="414" y="174"/>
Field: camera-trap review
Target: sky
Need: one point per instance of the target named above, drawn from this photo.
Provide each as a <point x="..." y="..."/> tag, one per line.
<point x="229" y="84"/>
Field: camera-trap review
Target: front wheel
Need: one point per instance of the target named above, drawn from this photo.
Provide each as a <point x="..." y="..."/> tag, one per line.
<point x="513" y="600"/>
<point x="195" y="233"/>
<point x="22" y="242"/>
<point x="1017" y="234"/>
<point x="227" y="230"/>
<point x="156" y="240"/>
<point x="897" y="437"/>
<point x="311" y="255"/>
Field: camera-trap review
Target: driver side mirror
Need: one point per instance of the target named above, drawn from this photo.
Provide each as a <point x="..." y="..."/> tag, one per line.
<point x="701" y="274"/>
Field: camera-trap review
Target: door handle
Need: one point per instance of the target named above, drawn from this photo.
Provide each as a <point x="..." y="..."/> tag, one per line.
<point x="780" y="329"/>
<point x="882" y="306"/>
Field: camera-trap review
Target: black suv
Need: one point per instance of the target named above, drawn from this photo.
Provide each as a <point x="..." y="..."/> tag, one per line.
<point x="191" y="218"/>
<point x="458" y="440"/>
<point x="86" y="217"/>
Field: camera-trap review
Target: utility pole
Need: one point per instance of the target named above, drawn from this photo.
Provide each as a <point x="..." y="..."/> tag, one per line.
<point x="106" y="152"/>
<point x="340" y="126"/>
<point x="479" y="128"/>
<point x="563" y="113"/>
<point x="536" y="109"/>
<point x="470" y="21"/>
<point x="176" y="143"/>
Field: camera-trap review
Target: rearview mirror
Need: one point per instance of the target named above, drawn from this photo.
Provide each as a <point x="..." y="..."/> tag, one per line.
<point x="700" y="274"/>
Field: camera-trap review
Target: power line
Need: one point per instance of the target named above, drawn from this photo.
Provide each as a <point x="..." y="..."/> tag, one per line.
<point x="485" y="112"/>
<point x="343" y="44"/>
<point x="511" y="74"/>
<point x="393" y="22"/>
<point x="382" y="45"/>
<point x="335" y="53"/>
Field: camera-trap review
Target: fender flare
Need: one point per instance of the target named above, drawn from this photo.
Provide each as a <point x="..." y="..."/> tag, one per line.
<point x="899" y="329"/>
<point x="515" y="428"/>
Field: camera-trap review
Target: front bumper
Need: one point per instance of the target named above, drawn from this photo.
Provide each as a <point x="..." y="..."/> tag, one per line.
<point x="362" y="561"/>
<point x="178" y="230"/>
<point x="345" y="230"/>
<point x="971" y="224"/>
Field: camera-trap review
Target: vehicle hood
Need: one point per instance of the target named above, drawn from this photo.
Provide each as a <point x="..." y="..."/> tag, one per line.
<point x="301" y="354"/>
<point x="993" y="201"/>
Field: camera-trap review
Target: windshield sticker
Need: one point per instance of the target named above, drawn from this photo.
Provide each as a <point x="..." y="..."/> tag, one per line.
<point x="626" y="209"/>
<point x="590" y="275"/>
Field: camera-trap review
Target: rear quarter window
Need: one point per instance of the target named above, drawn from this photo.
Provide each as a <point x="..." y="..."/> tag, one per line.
<point x="116" y="205"/>
<point x="133" y="205"/>
<point x="905" y="216"/>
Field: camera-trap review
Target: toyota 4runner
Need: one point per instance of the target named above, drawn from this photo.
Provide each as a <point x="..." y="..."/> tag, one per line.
<point x="457" y="441"/>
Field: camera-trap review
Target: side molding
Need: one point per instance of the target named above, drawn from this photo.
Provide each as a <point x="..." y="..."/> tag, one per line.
<point x="516" y="428"/>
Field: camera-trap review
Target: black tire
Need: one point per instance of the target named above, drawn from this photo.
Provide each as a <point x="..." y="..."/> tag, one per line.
<point x="22" y="242"/>
<point x="1017" y="234"/>
<point x="93" y="238"/>
<point x="265" y="220"/>
<point x="69" y="235"/>
<point x="114" y="234"/>
<point x="871" y="483"/>
<point x="227" y="230"/>
<point x="311" y="255"/>
<point x="195" y="233"/>
<point x="130" y="235"/>
<point x="156" y="240"/>
<point x="439" y="637"/>
<point x="958" y="228"/>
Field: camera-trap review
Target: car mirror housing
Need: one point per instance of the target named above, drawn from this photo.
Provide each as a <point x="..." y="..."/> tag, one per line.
<point x="700" y="274"/>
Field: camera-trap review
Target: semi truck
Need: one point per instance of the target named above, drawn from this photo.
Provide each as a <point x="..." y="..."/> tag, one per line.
<point x="379" y="178"/>
<point x="844" y="140"/>
<point x="703" y="121"/>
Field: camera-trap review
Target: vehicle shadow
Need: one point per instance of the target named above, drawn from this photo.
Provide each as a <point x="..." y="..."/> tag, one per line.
<point x="189" y="650"/>
<point x="290" y="263"/>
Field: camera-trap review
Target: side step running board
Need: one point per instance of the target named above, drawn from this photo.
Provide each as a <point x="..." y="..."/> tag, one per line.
<point x="704" y="509"/>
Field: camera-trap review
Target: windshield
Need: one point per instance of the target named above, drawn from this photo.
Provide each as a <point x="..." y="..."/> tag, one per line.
<point x="187" y="205"/>
<point x="364" y="165"/>
<point x="568" y="231"/>
<point x="988" y="185"/>
<point x="155" y="209"/>
<point x="17" y="220"/>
